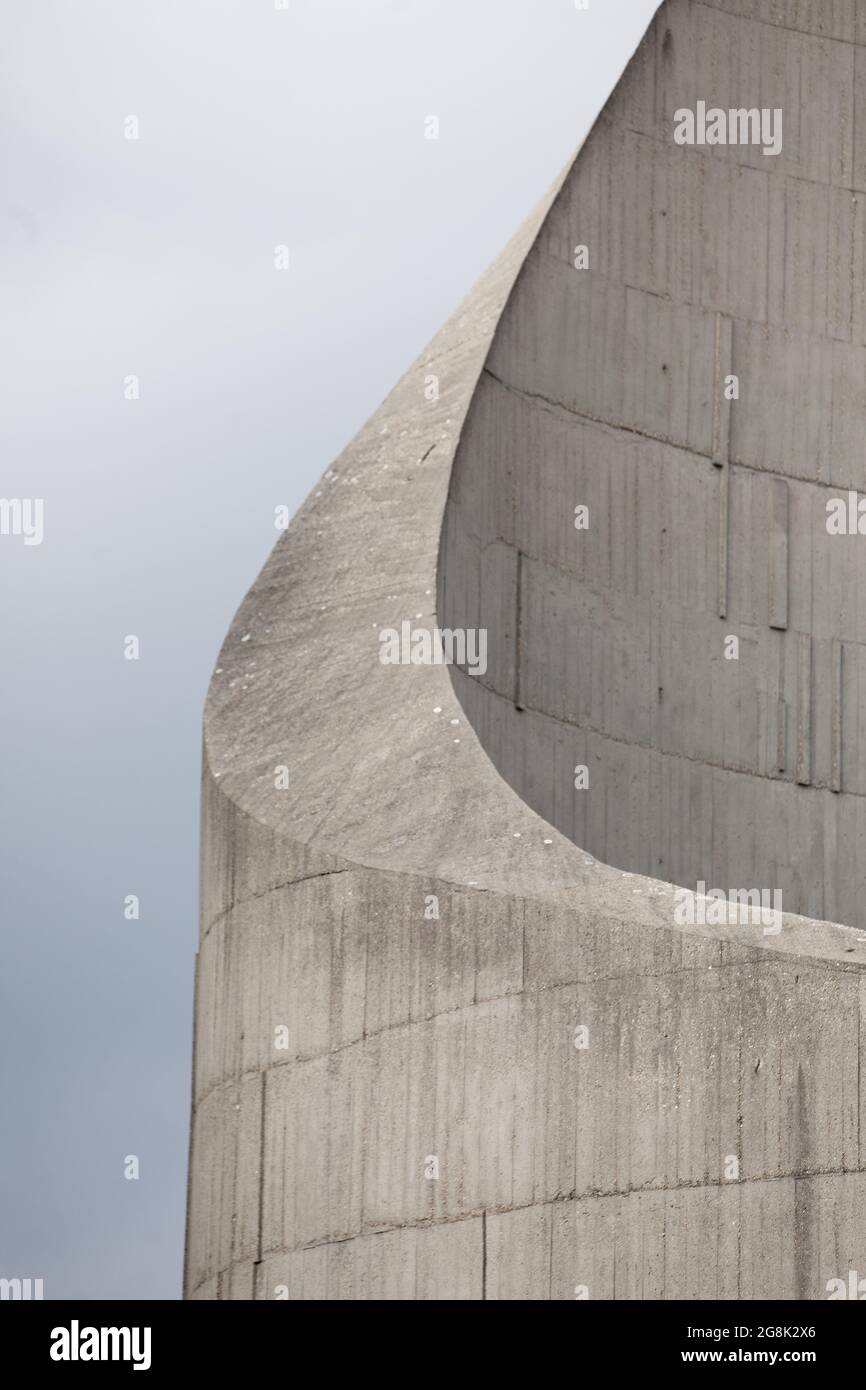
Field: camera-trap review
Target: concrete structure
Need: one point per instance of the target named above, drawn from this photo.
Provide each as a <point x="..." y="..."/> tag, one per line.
<point x="440" y="1050"/>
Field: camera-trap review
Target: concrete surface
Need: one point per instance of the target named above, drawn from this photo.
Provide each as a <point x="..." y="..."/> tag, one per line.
<point x="554" y="1088"/>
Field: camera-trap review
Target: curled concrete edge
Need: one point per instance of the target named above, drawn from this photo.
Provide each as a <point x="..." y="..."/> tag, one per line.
<point x="376" y="777"/>
<point x="323" y="767"/>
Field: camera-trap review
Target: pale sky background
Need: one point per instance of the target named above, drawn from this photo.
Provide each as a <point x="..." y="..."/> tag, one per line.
<point x="258" y="126"/>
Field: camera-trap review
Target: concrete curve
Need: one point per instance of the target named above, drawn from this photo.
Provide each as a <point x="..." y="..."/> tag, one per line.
<point x="441" y="1049"/>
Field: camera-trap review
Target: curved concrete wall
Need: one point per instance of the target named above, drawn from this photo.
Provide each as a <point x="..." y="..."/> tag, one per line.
<point x="442" y="1051"/>
<point x="707" y="516"/>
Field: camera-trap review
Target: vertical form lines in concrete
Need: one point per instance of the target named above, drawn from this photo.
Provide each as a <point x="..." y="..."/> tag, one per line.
<point x="804" y="710"/>
<point x="518" y="629"/>
<point x="721" y="446"/>
<point x="836" y="716"/>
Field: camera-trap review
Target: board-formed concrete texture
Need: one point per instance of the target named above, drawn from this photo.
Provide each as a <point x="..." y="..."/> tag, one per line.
<point x="459" y="1035"/>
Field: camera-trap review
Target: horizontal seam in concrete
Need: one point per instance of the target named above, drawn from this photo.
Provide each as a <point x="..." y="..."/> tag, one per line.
<point x="680" y="303"/>
<point x="706" y="153"/>
<point x="558" y="407"/>
<point x="601" y="591"/>
<point x="265" y="892"/>
<point x="699" y="152"/>
<point x="764" y="948"/>
<point x="374" y="869"/>
<point x="536" y="988"/>
<point x="707" y="762"/>
<point x="777" y="28"/>
<point x="591" y="1195"/>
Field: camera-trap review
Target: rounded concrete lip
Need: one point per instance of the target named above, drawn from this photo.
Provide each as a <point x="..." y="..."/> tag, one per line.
<point x="384" y="769"/>
<point x="609" y="1164"/>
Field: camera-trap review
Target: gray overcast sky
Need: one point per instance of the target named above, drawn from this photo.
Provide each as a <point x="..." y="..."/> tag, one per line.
<point x="154" y="257"/>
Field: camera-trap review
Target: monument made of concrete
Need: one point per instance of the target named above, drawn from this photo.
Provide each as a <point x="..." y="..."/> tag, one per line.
<point x="536" y="971"/>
